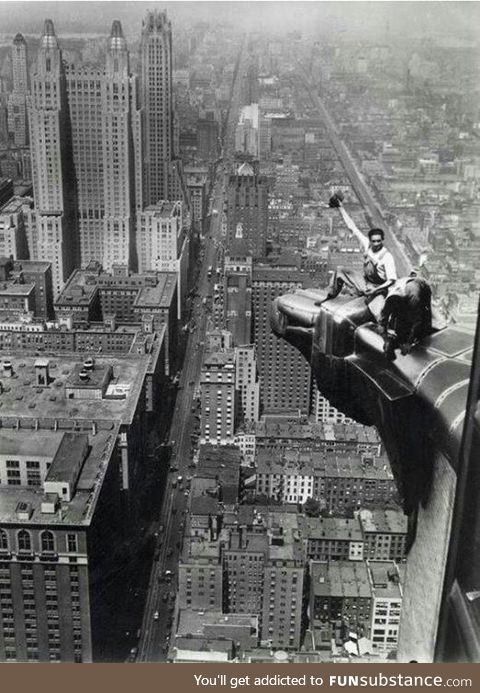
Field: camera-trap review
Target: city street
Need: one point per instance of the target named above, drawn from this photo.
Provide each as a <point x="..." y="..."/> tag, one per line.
<point x="160" y="603"/>
<point x="162" y="586"/>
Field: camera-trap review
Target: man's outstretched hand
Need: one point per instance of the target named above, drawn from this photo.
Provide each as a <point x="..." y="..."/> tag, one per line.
<point x="336" y="200"/>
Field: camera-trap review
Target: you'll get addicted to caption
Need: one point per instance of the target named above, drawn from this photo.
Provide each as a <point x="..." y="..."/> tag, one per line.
<point x="272" y="680"/>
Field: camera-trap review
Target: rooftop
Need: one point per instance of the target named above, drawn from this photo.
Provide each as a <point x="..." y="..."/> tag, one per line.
<point x="336" y="528"/>
<point x="20" y="398"/>
<point x="70" y="454"/>
<point x="80" y="289"/>
<point x="31" y="265"/>
<point x="384" y="521"/>
<point x="340" y="579"/>
<point x="10" y="288"/>
<point x="159" y="296"/>
<point x="80" y="509"/>
<point x="385" y="579"/>
<point x="98" y="378"/>
<point x="193" y="622"/>
<point x="165" y="209"/>
<point x="322" y="463"/>
<point x="13" y="205"/>
<point x="283" y="427"/>
<point x="250" y="543"/>
<point x="222" y="463"/>
<point x="219" y="358"/>
<point x="200" y="550"/>
<point x="205" y="505"/>
<point x="23" y="443"/>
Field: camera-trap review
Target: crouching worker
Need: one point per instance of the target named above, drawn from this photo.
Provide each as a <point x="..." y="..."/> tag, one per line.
<point x="406" y="316"/>
<point x="379" y="271"/>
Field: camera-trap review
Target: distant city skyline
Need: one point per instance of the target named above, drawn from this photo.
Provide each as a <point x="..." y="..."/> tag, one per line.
<point x="447" y="19"/>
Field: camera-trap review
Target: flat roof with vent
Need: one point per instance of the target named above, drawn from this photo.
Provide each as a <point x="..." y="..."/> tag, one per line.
<point x="326" y="463"/>
<point x="159" y="296"/>
<point x="52" y="402"/>
<point x="10" y="289"/>
<point x="348" y="579"/>
<point x="333" y="528"/>
<point x="193" y="622"/>
<point x="80" y="509"/>
<point x="383" y="521"/>
<point x="385" y="580"/>
<point x="97" y="377"/>
<point x="79" y="290"/>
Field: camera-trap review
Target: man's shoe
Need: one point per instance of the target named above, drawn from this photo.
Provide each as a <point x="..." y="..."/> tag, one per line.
<point x="328" y="297"/>
<point x="389" y="350"/>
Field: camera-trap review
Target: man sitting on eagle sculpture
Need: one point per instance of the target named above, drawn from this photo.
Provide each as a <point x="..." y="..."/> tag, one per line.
<point x="401" y="307"/>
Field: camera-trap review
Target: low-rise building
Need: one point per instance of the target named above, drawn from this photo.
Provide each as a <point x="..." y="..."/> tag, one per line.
<point x="350" y="601"/>
<point x="333" y="539"/>
<point x="385" y="580"/>
<point x="340" y="481"/>
<point x="201" y="635"/>
<point x="385" y="534"/>
<point x="340" y="591"/>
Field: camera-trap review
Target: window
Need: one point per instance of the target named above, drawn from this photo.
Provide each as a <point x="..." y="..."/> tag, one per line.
<point x="24" y="540"/>
<point x="72" y="543"/>
<point x="48" y="542"/>
<point x="3" y="540"/>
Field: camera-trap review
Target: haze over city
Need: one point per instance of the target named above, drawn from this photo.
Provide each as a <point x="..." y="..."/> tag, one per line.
<point x="416" y="19"/>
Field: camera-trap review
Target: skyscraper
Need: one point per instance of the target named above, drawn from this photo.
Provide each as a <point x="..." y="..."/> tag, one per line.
<point x="119" y="101"/>
<point x="52" y="163"/>
<point x="247" y="383"/>
<point x="217" y="384"/>
<point x="156" y="91"/>
<point x="17" y="107"/>
<point x="102" y="103"/>
<point x="247" y="212"/>
<point x="98" y="134"/>
<point x="284" y="377"/>
<point x="237" y="300"/>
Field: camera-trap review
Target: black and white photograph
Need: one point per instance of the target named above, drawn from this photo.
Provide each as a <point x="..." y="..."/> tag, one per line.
<point x="239" y="332"/>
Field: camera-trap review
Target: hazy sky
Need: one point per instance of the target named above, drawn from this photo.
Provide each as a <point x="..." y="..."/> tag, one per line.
<point x="459" y="18"/>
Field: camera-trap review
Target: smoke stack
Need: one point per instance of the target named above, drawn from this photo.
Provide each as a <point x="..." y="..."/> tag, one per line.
<point x="7" y="369"/>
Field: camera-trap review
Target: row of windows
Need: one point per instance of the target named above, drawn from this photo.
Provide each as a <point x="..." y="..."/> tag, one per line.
<point x="47" y="541"/>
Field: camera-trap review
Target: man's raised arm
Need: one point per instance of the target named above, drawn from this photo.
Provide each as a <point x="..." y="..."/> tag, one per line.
<point x="351" y="225"/>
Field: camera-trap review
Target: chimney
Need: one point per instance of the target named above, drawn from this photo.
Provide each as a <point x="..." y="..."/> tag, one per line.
<point x="42" y="372"/>
<point x="8" y="369"/>
<point x="110" y="321"/>
<point x="89" y="364"/>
